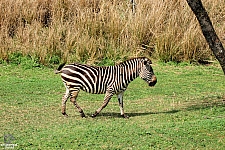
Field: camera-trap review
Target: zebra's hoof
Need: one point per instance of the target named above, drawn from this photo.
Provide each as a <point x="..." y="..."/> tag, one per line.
<point x="82" y="115"/>
<point x="125" y="116"/>
<point x="64" y="114"/>
<point x="94" y="115"/>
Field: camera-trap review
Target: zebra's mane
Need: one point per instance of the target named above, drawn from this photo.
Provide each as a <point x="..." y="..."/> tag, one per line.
<point x="118" y="64"/>
<point x="124" y="62"/>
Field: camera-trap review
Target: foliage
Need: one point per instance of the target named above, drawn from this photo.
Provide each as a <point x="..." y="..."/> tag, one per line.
<point x="89" y="31"/>
<point x="26" y="62"/>
<point x="185" y="110"/>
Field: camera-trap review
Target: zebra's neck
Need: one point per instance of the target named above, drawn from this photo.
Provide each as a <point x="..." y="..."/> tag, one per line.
<point x="129" y="70"/>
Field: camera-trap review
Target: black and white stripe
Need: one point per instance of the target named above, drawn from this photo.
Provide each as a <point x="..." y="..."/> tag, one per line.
<point x="98" y="80"/>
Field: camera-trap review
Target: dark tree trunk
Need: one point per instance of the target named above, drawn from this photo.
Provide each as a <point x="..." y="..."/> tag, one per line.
<point x="208" y="31"/>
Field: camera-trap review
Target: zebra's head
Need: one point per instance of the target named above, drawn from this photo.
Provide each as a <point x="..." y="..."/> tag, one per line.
<point x="146" y="72"/>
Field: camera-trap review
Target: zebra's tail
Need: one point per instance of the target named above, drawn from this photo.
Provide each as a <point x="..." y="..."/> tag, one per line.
<point x="59" y="68"/>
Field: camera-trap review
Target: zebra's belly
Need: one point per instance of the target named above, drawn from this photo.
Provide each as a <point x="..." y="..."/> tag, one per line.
<point x="102" y="90"/>
<point x="95" y="92"/>
<point x="94" y="89"/>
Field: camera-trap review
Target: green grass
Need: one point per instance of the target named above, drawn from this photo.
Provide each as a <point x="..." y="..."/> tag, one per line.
<point x="185" y="110"/>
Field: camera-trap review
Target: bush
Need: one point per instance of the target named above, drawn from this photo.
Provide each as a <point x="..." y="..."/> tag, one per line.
<point x="26" y="62"/>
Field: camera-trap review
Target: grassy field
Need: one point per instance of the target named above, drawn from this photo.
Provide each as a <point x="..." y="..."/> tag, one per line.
<point x="185" y="110"/>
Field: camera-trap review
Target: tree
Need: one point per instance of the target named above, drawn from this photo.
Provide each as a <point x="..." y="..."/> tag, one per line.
<point x="208" y="31"/>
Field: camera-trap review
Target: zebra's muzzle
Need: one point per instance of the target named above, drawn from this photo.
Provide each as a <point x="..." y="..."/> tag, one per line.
<point x="154" y="81"/>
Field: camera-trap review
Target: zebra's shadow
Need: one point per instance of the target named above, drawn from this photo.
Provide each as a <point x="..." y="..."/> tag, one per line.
<point x="133" y="114"/>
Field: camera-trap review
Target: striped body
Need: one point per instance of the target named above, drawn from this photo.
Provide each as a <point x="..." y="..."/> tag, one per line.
<point x="110" y="80"/>
<point x="97" y="80"/>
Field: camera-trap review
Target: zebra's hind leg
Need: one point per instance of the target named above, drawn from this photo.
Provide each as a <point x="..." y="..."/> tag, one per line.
<point x="74" y="95"/>
<point x="108" y="96"/>
<point x="64" y="100"/>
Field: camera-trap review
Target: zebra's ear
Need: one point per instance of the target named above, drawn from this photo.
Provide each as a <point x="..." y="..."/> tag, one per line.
<point x="150" y="62"/>
<point x="147" y="61"/>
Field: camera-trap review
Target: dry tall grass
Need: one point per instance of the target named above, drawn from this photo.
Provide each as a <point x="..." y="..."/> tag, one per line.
<point x="89" y="30"/>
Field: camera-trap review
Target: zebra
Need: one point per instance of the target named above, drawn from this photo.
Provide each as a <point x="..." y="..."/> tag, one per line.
<point x="108" y="80"/>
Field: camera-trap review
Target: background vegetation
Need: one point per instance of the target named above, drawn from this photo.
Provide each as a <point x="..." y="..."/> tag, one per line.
<point x="185" y="110"/>
<point x="50" y="31"/>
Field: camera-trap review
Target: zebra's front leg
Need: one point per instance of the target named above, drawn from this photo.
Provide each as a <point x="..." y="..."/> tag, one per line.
<point x="120" y="100"/>
<point x="107" y="98"/>
<point x="74" y="95"/>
